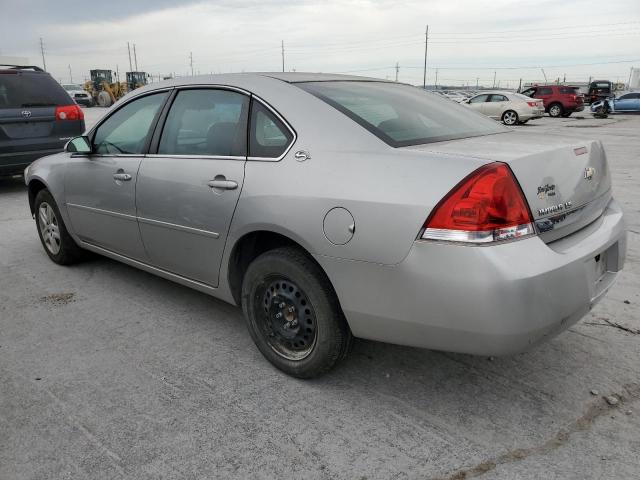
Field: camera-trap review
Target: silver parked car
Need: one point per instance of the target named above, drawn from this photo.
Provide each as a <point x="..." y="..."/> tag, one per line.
<point x="508" y="107"/>
<point x="332" y="206"/>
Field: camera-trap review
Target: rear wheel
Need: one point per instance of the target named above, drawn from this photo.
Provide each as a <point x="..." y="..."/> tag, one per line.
<point x="53" y="233"/>
<point x="509" y="117"/>
<point x="293" y="314"/>
<point x="555" y="110"/>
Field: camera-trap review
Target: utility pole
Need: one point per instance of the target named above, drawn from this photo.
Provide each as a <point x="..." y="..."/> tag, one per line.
<point x="545" y="76"/>
<point x="129" y="50"/>
<point x="135" y="57"/>
<point x="282" y="45"/>
<point x="397" y="70"/>
<point x="191" y="62"/>
<point x="70" y="75"/>
<point x="630" y="74"/>
<point x="426" y="45"/>
<point x="44" y="63"/>
<point x="436" y="82"/>
<point x="477" y="79"/>
<point x="494" y="79"/>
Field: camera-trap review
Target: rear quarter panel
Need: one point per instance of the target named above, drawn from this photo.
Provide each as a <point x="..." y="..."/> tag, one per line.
<point x="389" y="191"/>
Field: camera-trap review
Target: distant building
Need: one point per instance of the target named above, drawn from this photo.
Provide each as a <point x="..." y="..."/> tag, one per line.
<point x="634" y="82"/>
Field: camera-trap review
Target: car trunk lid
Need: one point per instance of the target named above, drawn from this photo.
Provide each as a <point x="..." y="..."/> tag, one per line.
<point x="567" y="183"/>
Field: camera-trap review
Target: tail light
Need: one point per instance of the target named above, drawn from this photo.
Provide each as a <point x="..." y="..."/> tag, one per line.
<point x="532" y="104"/>
<point x="487" y="206"/>
<point x="69" y="112"/>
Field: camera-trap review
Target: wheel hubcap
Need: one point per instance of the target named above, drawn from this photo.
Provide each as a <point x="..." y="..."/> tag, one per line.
<point x="509" y="118"/>
<point x="289" y="322"/>
<point x="49" y="228"/>
<point x="555" y="111"/>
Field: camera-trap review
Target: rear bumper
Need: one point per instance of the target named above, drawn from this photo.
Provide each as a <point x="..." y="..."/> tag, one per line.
<point x="15" y="162"/>
<point x="481" y="300"/>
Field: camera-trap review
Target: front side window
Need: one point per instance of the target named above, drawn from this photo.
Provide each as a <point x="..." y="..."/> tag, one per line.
<point x="206" y="122"/>
<point x="127" y="130"/>
<point x="268" y="136"/>
<point x="402" y="115"/>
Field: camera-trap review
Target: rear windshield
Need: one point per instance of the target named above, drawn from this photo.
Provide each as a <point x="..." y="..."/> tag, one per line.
<point x="31" y="90"/>
<point x="402" y="115"/>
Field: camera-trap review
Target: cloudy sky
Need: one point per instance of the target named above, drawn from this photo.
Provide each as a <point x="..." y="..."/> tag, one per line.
<point x="468" y="40"/>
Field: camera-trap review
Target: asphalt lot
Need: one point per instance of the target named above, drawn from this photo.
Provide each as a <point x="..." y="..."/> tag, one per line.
<point x="109" y="372"/>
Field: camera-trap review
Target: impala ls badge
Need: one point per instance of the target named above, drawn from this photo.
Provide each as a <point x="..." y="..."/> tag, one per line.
<point x="589" y="172"/>
<point x="26" y="113"/>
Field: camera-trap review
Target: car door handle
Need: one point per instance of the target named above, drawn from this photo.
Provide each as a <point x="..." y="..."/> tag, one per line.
<point x="123" y="177"/>
<point x="223" y="184"/>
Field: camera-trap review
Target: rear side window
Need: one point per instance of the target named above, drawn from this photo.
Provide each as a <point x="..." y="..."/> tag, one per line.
<point x="402" y="115"/>
<point x="545" y="91"/>
<point x="206" y="122"/>
<point x="499" y="98"/>
<point x="479" y="99"/>
<point x="569" y="90"/>
<point x="31" y="90"/>
<point x="126" y="131"/>
<point x="268" y="137"/>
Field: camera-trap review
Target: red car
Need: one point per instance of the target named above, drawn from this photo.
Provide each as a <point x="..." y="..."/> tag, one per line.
<point x="559" y="100"/>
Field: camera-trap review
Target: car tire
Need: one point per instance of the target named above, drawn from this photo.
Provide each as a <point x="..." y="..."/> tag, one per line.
<point x="510" y="118"/>
<point x="55" y="238"/>
<point x="556" y="110"/>
<point x="293" y="313"/>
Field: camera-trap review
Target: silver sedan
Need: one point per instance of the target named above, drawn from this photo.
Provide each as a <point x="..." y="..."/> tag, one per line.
<point x="331" y="207"/>
<point x="508" y="107"/>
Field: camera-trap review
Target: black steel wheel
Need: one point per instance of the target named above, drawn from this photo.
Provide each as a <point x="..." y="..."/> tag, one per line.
<point x="293" y="314"/>
<point x="289" y="322"/>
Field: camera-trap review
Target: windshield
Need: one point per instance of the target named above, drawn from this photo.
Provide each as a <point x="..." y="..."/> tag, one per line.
<point x="402" y="115"/>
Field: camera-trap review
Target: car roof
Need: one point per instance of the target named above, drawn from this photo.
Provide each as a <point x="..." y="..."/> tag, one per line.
<point x="497" y="92"/>
<point x="298" y="77"/>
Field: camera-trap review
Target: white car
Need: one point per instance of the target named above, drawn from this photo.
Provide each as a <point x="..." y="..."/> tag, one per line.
<point x="510" y="108"/>
<point x="78" y="94"/>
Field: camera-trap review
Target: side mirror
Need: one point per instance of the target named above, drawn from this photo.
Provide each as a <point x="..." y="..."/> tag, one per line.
<point x="78" y="145"/>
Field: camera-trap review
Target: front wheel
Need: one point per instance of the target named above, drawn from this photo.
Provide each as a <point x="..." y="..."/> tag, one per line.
<point x="293" y="314"/>
<point x="53" y="233"/>
<point x="509" y="117"/>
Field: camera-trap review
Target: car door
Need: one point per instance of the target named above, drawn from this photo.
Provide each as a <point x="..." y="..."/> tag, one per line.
<point x="478" y="101"/>
<point x="494" y="106"/>
<point x="189" y="186"/>
<point x="100" y="187"/>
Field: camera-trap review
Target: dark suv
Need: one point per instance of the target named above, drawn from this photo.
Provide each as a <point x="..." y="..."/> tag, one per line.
<point x="559" y="100"/>
<point x="37" y="117"/>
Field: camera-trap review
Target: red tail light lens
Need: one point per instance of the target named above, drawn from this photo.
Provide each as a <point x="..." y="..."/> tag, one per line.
<point x="487" y="206"/>
<point x="69" y="112"/>
<point x="532" y="104"/>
